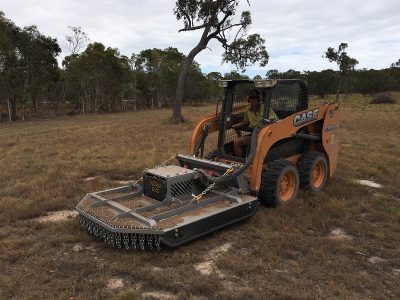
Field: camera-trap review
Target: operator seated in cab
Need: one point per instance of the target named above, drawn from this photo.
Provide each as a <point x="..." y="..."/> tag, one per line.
<point x="253" y="117"/>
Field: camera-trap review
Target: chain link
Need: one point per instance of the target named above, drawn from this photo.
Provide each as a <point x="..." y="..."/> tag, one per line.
<point x="199" y="196"/>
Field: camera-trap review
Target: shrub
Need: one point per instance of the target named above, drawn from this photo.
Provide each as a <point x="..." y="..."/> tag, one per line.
<point x="383" y="98"/>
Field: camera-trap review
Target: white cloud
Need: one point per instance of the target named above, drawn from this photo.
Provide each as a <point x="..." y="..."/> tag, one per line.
<point x="297" y="32"/>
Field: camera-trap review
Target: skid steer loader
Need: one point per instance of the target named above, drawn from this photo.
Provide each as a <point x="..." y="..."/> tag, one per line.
<point x="175" y="203"/>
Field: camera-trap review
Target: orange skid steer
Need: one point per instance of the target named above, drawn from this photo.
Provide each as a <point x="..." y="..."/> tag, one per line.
<point x="295" y="146"/>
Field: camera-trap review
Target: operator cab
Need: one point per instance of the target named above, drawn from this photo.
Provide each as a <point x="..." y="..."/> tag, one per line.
<point x="280" y="98"/>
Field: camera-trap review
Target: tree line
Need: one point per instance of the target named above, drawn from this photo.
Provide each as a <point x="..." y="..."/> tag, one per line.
<point x="93" y="78"/>
<point x="363" y="81"/>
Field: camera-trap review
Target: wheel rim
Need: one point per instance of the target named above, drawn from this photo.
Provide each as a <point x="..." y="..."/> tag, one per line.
<point x="318" y="174"/>
<point x="287" y="186"/>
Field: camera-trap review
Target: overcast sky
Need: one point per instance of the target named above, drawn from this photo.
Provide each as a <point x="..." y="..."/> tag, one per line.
<point x="297" y="32"/>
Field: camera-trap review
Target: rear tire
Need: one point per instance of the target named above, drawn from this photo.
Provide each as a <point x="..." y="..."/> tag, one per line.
<point x="279" y="183"/>
<point x="313" y="169"/>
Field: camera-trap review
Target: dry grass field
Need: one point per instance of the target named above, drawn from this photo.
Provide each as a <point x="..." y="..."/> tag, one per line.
<point x="343" y="243"/>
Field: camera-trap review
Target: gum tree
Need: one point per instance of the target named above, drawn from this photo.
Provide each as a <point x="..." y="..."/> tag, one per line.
<point x="216" y="20"/>
<point x="344" y="62"/>
<point x="396" y="64"/>
<point x="27" y="62"/>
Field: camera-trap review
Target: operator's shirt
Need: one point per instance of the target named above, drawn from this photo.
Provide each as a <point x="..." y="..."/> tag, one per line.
<point x="253" y="119"/>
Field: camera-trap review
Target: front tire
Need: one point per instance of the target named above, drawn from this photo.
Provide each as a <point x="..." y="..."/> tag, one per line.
<point x="313" y="169"/>
<point x="279" y="183"/>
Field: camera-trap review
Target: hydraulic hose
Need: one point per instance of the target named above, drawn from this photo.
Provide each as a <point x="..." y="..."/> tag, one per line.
<point x="200" y="143"/>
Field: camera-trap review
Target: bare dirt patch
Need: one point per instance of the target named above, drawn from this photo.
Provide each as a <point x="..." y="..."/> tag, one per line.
<point x="115" y="283"/>
<point x="92" y="248"/>
<point x="78" y="247"/>
<point x="57" y="216"/>
<point x="207" y="267"/>
<point x="158" y="296"/>
<point x="376" y="260"/>
<point x="339" y="234"/>
<point x="214" y="253"/>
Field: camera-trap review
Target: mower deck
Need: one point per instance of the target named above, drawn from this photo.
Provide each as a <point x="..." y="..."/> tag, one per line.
<point x="125" y="217"/>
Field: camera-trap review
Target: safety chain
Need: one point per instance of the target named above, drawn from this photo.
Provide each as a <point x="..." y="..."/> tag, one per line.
<point x="199" y="196"/>
<point x="159" y="166"/>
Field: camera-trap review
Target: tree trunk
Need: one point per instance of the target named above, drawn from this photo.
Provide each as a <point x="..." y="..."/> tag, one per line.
<point x="9" y="110"/>
<point x="346" y="88"/>
<point x="55" y="107"/>
<point x="177" y="109"/>
<point x="338" y="89"/>
<point x="34" y="102"/>
<point x="13" y="103"/>
<point x="83" y="105"/>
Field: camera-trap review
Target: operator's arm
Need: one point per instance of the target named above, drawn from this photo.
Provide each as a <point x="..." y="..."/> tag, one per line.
<point x="242" y="124"/>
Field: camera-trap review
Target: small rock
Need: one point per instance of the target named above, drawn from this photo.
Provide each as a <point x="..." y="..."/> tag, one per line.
<point x="115" y="283"/>
<point x="157" y="269"/>
<point x="78" y="247"/>
<point x="376" y="260"/>
<point x="396" y="272"/>
<point x="370" y="183"/>
<point x="87" y="179"/>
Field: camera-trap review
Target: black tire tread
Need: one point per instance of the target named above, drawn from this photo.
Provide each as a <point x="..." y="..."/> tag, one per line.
<point x="269" y="188"/>
<point x="305" y="166"/>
